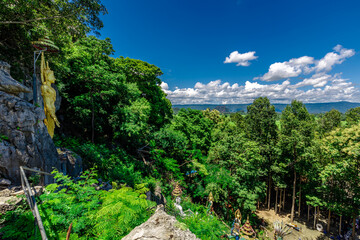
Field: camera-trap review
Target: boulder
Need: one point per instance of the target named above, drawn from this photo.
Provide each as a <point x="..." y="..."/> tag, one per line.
<point x="160" y="226"/>
<point x="24" y="139"/>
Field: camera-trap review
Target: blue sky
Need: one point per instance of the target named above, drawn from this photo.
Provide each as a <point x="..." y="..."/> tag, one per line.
<point x="286" y="49"/>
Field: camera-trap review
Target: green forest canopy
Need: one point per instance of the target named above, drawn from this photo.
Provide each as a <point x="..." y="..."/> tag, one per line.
<point x="116" y="116"/>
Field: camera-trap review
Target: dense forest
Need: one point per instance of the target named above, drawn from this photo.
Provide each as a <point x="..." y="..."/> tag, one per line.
<point x="115" y="115"/>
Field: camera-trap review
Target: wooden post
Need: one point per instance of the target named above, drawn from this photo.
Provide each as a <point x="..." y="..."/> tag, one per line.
<point x="329" y="221"/>
<point x="340" y="225"/>
<point x="276" y="200"/>
<point x="308" y="215"/>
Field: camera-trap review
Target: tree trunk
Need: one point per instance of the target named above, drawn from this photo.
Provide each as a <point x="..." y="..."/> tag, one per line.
<point x="293" y="198"/>
<point x="308" y="215"/>
<point x="269" y="200"/>
<point x="92" y="121"/>
<point x="258" y="204"/>
<point x="340" y="224"/>
<point x="299" y="209"/>
<point x="280" y="200"/>
<point x="328" y="223"/>
<point x="353" y="228"/>
<point x="284" y="198"/>
<point x="276" y="199"/>
<point x="267" y="192"/>
<point x="314" y="216"/>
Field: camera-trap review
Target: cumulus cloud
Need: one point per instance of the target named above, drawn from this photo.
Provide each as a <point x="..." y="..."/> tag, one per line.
<point x="242" y="59"/>
<point x="316" y="84"/>
<point x="326" y="88"/>
<point x="305" y="65"/>
<point x="337" y="57"/>
<point x="316" y="80"/>
<point x="164" y="86"/>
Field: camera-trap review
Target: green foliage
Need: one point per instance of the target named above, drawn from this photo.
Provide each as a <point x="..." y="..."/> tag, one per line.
<point x="340" y="175"/>
<point x="4" y="137"/>
<point x="94" y="214"/>
<point x="146" y="77"/>
<point x="24" y="21"/>
<point x="120" y="212"/>
<point x="261" y="124"/>
<point x="113" y="164"/>
<point x="353" y="115"/>
<point x="243" y="163"/>
<point x="201" y="224"/>
<point x="196" y="128"/>
<point x="329" y="121"/>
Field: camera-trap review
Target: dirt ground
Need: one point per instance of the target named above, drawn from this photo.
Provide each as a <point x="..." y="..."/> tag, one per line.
<point x="306" y="232"/>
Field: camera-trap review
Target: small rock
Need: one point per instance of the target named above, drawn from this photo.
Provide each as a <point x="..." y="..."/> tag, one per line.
<point x="5" y="182"/>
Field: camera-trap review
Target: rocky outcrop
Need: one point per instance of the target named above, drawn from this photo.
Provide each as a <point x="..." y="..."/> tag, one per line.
<point x="8" y="84"/>
<point x="160" y="226"/>
<point x="71" y="163"/>
<point x="24" y="139"/>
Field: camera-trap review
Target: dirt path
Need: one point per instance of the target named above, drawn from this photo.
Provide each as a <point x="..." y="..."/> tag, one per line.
<point x="305" y="233"/>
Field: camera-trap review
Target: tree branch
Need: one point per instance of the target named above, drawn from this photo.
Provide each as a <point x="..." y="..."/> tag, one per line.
<point x="35" y="20"/>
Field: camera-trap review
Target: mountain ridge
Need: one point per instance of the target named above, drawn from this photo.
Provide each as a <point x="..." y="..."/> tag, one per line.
<point x="314" y="108"/>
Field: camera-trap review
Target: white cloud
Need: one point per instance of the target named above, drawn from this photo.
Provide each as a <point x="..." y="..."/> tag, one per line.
<point x="317" y="84"/>
<point x="216" y="92"/>
<point x="305" y="65"/>
<point x="242" y="59"/>
<point x="292" y="68"/>
<point x="316" y="80"/>
<point x="332" y="58"/>
<point x="164" y="86"/>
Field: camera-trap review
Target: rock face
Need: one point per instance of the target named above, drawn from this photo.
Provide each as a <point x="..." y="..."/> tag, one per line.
<point x="24" y="140"/>
<point x="160" y="226"/>
<point x="8" y="84"/>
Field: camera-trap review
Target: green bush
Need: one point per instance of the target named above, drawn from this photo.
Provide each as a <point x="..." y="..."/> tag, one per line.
<point x="206" y="227"/>
<point x="94" y="214"/>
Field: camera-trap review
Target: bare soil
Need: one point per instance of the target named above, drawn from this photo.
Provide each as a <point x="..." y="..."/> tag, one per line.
<point x="306" y="232"/>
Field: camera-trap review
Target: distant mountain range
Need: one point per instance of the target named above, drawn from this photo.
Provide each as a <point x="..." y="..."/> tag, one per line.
<point x="311" y="107"/>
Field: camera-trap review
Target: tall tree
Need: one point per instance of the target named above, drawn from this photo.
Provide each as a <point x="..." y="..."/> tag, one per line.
<point x="262" y="128"/>
<point x="329" y="121"/>
<point x="146" y="77"/>
<point x="353" y="115"/>
<point x="340" y="177"/>
<point x="24" y="21"/>
<point x="297" y="133"/>
<point x="238" y="182"/>
<point x="196" y="127"/>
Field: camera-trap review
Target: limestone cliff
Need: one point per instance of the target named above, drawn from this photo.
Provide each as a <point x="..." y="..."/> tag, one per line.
<point x="24" y="140"/>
